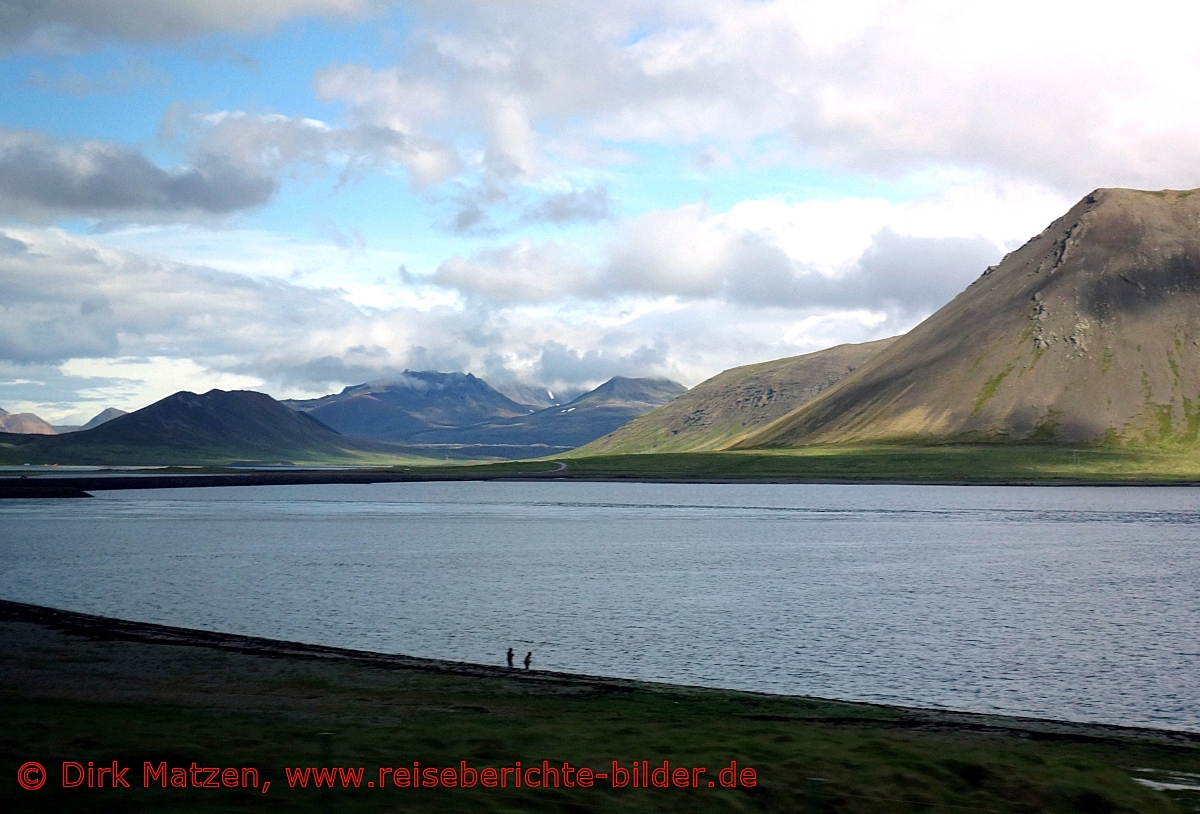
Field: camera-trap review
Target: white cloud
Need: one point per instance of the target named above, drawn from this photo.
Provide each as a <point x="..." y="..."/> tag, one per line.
<point x="521" y="272"/>
<point x="826" y="234"/>
<point x="1069" y="95"/>
<point x="848" y="253"/>
<point x="365" y="276"/>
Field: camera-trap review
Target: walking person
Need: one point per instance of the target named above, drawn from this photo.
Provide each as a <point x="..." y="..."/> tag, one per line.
<point x="510" y="657"/>
<point x="528" y="659"/>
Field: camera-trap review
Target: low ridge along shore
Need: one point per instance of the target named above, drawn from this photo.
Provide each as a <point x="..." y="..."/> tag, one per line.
<point x="79" y="689"/>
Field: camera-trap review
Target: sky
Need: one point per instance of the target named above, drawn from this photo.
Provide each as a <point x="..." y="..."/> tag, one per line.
<point x="294" y="196"/>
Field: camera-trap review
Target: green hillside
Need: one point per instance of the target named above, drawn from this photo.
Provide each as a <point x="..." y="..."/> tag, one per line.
<point x="722" y="409"/>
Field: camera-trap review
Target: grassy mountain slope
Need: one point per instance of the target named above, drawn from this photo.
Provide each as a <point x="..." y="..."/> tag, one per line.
<point x="1090" y="332"/>
<point x="735" y="402"/>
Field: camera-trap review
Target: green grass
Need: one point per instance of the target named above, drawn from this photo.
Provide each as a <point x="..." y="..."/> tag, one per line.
<point x="1175" y="460"/>
<point x="65" y="698"/>
<point x="982" y="463"/>
<point x="989" y="388"/>
<point x="26" y="450"/>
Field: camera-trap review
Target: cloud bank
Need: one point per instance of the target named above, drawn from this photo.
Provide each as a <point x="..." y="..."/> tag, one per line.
<point x="1087" y="96"/>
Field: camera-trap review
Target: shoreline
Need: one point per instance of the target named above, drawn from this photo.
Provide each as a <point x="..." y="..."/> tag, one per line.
<point x="109" y="629"/>
<point x="78" y="486"/>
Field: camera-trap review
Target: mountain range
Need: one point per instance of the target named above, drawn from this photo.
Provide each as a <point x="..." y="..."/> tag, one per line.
<point x="430" y="416"/>
<point x="566" y="426"/>
<point x="416" y="402"/>
<point x="215" y="427"/>
<point x="30" y="424"/>
<point x="458" y="409"/>
<point x="1087" y="334"/>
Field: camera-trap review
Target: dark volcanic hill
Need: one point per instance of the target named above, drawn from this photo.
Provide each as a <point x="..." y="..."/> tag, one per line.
<point x="566" y="426"/>
<point x="218" y="426"/>
<point x="742" y="399"/>
<point x="419" y="401"/>
<point x="238" y="418"/>
<point x="1089" y="332"/>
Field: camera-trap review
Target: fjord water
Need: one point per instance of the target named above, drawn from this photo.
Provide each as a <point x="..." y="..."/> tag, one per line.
<point x="1071" y="603"/>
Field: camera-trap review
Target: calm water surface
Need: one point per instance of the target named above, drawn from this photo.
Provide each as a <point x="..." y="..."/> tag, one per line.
<point x="1074" y="603"/>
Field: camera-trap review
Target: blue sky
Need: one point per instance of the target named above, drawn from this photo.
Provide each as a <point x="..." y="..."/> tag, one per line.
<point x="298" y="195"/>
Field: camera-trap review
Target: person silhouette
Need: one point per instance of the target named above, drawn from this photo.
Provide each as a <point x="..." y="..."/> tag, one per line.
<point x="510" y="657"/>
<point x="528" y="659"/>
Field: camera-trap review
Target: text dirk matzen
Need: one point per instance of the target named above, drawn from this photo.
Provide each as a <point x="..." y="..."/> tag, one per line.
<point x="639" y="774"/>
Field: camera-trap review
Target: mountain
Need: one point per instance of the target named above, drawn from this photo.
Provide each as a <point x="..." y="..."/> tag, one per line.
<point x="460" y="412"/>
<point x="735" y="402"/>
<point x="418" y="401"/>
<point x="24" y="424"/>
<point x="216" y="427"/>
<point x="1090" y="332"/>
<point x="107" y="414"/>
<point x="567" y="426"/>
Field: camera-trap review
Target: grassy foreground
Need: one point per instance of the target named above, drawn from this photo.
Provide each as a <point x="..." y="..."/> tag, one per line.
<point x="950" y="464"/>
<point x="945" y="464"/>
<point x="81" y="689"/>
<point x="906" y="464"/>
